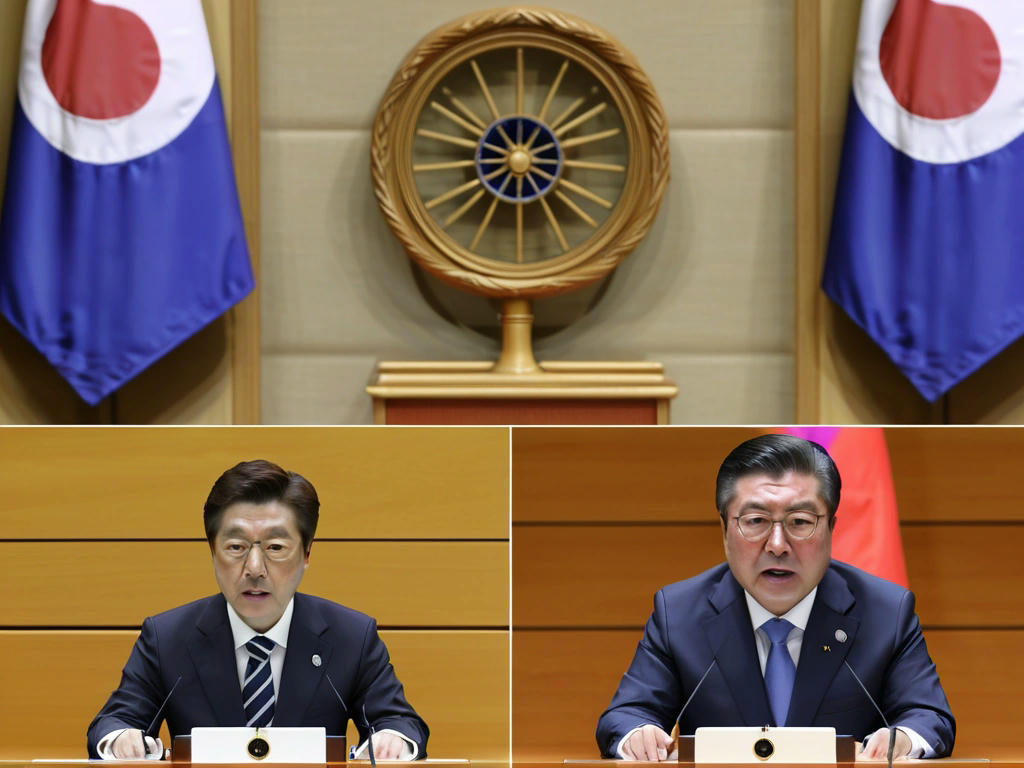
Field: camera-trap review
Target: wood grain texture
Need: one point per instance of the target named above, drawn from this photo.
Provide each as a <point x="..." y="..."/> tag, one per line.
<point x="563" y="680"/>
<point x="606" y="576"/>
<point x="57" y="694"/>
<point x="117" y="584"/>
<point x="152" y="483"/>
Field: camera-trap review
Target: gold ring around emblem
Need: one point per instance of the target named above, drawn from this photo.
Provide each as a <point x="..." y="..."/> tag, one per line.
<point x="519" y="152"/>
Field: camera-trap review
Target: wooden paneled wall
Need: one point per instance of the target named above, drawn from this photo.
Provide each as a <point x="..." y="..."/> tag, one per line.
<point x="604" y="517"/>
<point x="102" y="527"/>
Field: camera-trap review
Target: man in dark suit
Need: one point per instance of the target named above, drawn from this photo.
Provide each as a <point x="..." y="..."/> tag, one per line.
<point x="258" y="653"/>
<point x="779" y="620"/>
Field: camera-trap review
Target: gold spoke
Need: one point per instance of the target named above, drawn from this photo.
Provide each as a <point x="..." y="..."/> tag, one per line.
<point x="533" y="183"/>
<point x="541" y="148"/>
<point x="451" y="193"/>
<point x="457" y="140"/>
<point x="483" y="87"/>
<point x="554" y="224"/>
<point x="552" y="90"/>
<point x="519" y="220"/>
<point x="485" y="222"/>
<point x="568" y="111"/>
<point x="469" y="113"/>
<point x="455" y="118"/>
<point x="575" y="142"/>
<point x="443" y="166"/>
<point x="543" y="174"/>
<point x="583" y="192"/>
<point x="575" y="208"/>
<point x="492" y="174"/>
<point x="495" y="147"/>
<point x="593" y="166"/>
<point x="533" y="138"/>
<point x="505" y="136"/>
<point x="463" y="208"/>
<point x="544" y="161"/>
<point x="582" y="118"/>
<point x="519" y="81"/>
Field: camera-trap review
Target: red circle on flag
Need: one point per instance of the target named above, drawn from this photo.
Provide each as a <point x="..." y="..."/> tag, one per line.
<point x="940" y="61"/>
<point x="99" y="61"/>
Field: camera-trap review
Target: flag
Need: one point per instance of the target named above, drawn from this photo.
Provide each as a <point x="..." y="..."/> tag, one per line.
<point x="926" y="251"/>
<point x="867" y="532"/>
<point x="121" y="233"/>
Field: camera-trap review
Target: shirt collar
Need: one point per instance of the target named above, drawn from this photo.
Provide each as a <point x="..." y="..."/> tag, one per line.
<point x="243" y="633"/>
<point x="798" y="615"/>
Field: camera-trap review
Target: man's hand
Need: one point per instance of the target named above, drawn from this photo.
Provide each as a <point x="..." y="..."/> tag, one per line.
<point x="129" y="746"/>
<point x="878" y="746"/>
<point x="647" y="743"/>
<point x="387" y="746"/>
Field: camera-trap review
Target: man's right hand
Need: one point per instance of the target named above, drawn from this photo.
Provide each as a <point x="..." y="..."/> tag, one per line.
<point x="648" y="742"/>
<point x="129" y="745"/>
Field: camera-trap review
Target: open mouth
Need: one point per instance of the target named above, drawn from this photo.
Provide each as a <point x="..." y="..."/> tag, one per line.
<point x="255" y="594"/>
<point x="777" y="573"/>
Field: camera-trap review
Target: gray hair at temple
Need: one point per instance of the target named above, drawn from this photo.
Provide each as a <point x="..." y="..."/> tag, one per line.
<point x="774" y="456"/>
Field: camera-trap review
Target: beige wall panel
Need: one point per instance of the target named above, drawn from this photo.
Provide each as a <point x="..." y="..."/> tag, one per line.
<point x="152" y="483"/>
<point x="334" y="277"/>
<point x="562" y="577"/>
<point x="712" y="63"/>
<point x="624" y="475"/>
<point x="730" y="389"/>
<point x="715" y="273"/>
<point x="58" y="695"/>
<point x="111" y="584"/>
<point x="316" y="388"/>
<point x="563" y="680"/>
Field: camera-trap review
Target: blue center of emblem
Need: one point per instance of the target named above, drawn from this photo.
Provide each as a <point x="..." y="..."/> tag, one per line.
<point x="518" y="159"/>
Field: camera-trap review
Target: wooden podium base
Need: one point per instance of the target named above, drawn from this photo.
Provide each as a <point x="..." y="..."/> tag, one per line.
<point x="560" y="393"/>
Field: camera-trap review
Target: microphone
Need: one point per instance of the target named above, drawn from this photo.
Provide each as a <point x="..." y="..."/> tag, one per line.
<point x="149" y="732"/>
<point x="695" y="689"/>
<point x="369" y="728"/>
<point x="892" y="731"/>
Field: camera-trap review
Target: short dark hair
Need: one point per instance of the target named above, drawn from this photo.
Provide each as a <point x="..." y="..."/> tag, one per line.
<point x="774" y="455"/>
<point x="260" y="482"/>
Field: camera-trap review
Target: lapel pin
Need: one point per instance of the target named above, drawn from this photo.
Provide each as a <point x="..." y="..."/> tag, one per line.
<point x="826" y="649"/>
<point x="316" y="660"/>
<point x="841" y="636"/>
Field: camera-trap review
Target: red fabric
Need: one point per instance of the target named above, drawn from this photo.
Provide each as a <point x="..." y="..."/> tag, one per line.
<point x="867" y="532"/>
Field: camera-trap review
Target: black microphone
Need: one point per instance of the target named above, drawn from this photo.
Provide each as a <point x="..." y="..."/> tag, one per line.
<point x="695" y="689"/>
<point x="156" y="719"/>
<point x="892" y="731"/>
<point x="369" y="728"/>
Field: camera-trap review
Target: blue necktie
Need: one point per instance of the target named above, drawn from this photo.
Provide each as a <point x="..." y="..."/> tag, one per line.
<point x="258" y="688"/>
<point x="779" y="671"/>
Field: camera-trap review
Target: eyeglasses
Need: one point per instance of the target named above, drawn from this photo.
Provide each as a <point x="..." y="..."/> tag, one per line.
<point x="274" y="550"/>
<point x="797" y="525"/>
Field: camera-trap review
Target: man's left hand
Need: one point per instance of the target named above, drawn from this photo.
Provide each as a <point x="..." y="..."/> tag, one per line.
<point x="878" y="746"/>
<point x="387" y="746"/>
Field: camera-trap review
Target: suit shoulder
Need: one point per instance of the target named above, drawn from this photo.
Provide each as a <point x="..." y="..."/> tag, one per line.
<point x="695" y="587"/>
<point x="189" y="612"/>
<point x="867" y="586"/>
<point x="334" y="614"/>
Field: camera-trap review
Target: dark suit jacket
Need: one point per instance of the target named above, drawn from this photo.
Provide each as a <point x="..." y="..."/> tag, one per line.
<point x="195" y="641"/>
<point x="706" y="617"/>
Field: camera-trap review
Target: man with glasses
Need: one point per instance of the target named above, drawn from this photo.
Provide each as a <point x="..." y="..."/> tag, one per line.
<point x="259" y="654"/>
<point x="772" y="627"/>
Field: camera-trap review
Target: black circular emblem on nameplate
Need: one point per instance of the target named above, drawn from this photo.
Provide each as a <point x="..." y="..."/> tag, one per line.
<point x="763" y="749"/>
<point x="258" y="748"/>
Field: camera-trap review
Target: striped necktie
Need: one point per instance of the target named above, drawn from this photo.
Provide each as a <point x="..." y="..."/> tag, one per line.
<point x="258" y="688"/>
<point x="779" y="670"/>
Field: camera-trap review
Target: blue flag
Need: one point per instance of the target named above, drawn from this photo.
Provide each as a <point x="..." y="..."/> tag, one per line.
<point x="121" y="233"/>
<point x="926" y="251"/>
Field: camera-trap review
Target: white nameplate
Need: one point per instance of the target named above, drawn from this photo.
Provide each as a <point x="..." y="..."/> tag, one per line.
<point x="257" y="745"/>
<point x="764" y="745"/>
